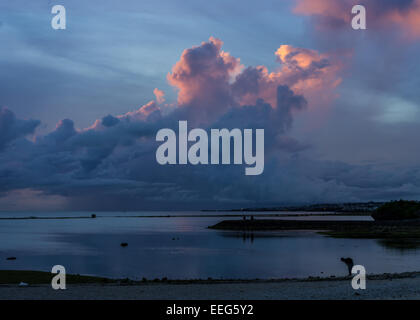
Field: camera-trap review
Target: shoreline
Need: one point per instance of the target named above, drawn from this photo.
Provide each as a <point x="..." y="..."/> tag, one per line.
<point x="31" y="277"/>
<point x="381" y="286"/>
<point x="397" y="230"/>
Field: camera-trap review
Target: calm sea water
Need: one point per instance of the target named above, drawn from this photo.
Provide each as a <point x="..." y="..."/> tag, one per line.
<point x="183" y="248"/>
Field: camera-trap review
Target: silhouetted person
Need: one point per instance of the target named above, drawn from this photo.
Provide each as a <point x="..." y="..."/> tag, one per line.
<point x="252" y="218"/>
<point x="349" y="263"/>
<point x="244" y="218"/>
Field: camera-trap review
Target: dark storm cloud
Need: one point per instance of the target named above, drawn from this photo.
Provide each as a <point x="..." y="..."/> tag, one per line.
<point x="95" y="170"/>
<point x="12" y="128"/>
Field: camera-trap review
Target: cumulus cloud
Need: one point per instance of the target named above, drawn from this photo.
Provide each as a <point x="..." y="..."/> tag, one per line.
<point x="203" y="76"/>
<point x="210" y="80"/>
<point x="305" y="71"/>
<point x="111" y="164"/>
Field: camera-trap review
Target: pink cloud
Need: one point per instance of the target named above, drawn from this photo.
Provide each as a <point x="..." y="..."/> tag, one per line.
<point x="305" y="71"/>
<point x="409" y="20"/>
<point x="331" y="14"/>
<point x="203" y="76"/>
<point x="160" y="95"/>
<point x="210" y="80"/>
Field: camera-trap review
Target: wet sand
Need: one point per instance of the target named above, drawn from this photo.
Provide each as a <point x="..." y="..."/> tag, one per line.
<point x="387" y="286"/>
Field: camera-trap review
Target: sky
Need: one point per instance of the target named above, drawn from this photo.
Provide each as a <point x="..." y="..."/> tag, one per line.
<point x="80" y="107"/>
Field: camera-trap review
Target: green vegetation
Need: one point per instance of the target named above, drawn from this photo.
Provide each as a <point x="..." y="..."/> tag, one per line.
<point x="40" y="277"/>
<point x="398" y="210"/>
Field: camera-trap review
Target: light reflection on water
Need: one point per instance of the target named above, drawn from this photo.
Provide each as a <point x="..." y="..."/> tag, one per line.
<point x="183" y="248"/>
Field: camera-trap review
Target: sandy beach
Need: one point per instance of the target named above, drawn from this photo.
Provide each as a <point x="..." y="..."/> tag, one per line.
<point x="400" y="286"/>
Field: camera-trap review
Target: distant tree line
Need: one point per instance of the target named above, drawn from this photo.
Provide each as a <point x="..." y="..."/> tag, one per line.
<point x="398" y="210"/>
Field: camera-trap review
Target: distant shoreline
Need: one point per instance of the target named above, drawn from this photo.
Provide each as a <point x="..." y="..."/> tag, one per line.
<point x="306" y="214"/>
<point x="391" y="229"/>
<point x="361" y="207"/>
